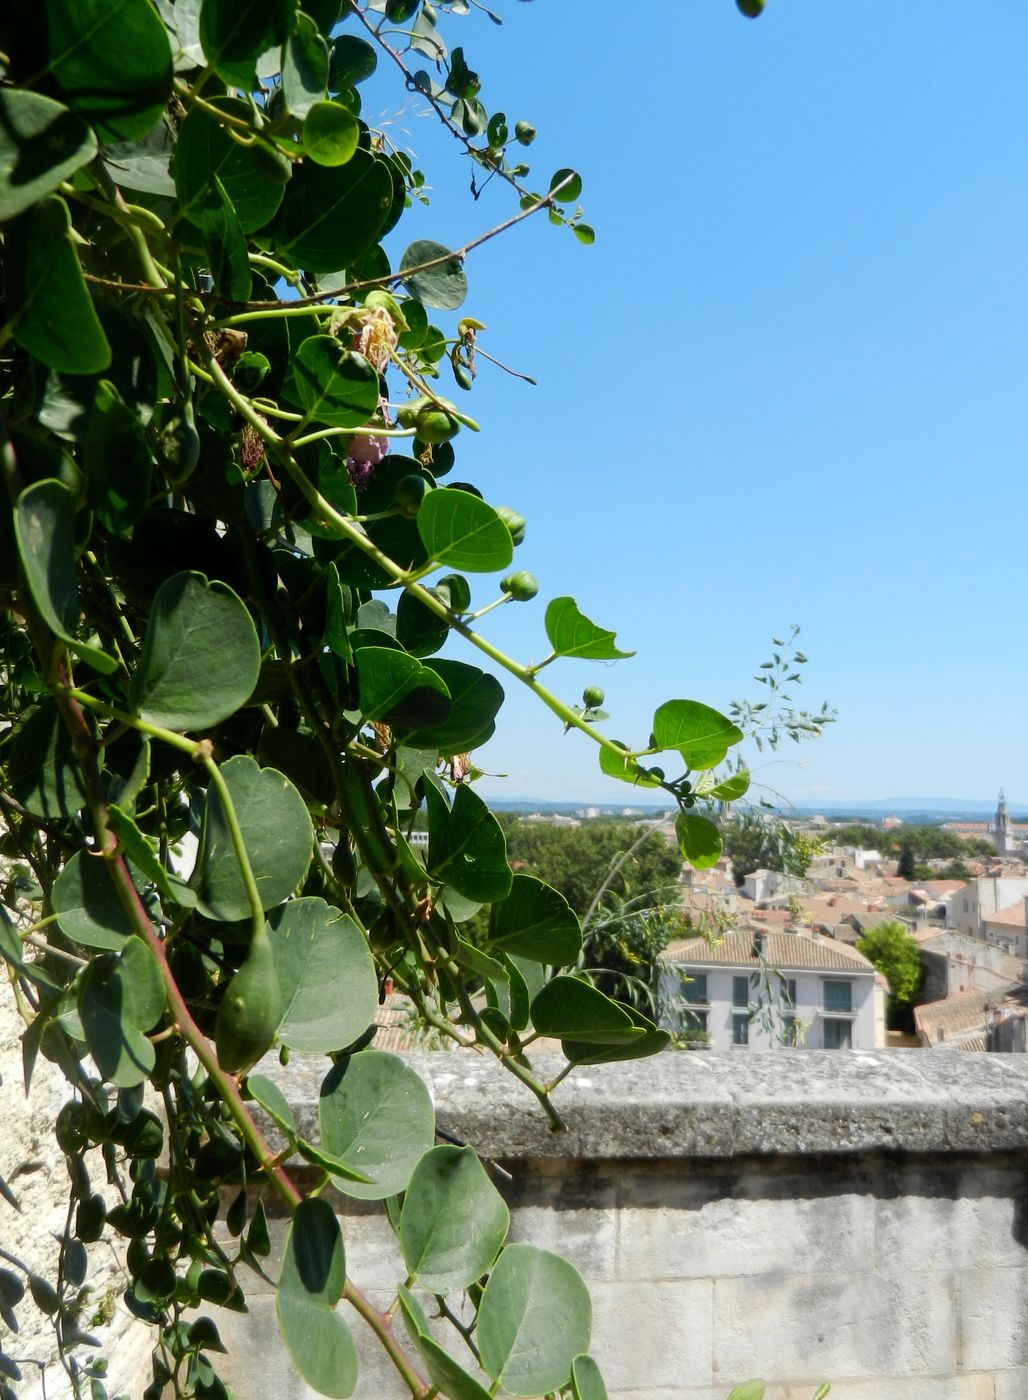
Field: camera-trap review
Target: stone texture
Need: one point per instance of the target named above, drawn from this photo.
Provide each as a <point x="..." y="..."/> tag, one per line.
<point x="926" y="1388"/>
<point x="1011" y="1385"/>
<point x="828" y="1325"/>
<point x="653" y="1337"/>
<point x="994" y="1318"/>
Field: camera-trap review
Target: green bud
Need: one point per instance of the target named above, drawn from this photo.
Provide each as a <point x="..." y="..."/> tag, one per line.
<point x="521" y="586"/>
<point x="435" y="425"/>
<point x="524" y="133"/>
<point x="408" y="493"/>
<point x="750" y="8"/>
<point x="514" y="522"/>
<point x="592" y="697"/>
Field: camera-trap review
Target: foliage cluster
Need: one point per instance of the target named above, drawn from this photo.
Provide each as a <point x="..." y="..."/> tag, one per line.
<point x="926" y="842"/>
<point x="230" y="561"/>
<point x="894" y="953"/>
<point x="205" y="483"/>
<point x="757" y="841"/>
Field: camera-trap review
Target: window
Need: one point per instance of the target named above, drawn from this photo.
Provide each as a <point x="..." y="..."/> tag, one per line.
<point x="790" y="992"/>
<point x="788" y="1032"/>
<point x="694" y="1022"/>
<point x="693" y="987"/>
<point x="741" y="992"/>
<point x="740" y="1028"/>
<point x="837" y="1035"/>
<point x="837" y="996"/>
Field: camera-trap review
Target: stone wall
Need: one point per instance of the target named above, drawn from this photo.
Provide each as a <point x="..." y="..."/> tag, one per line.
<point x="859" y="1218"/>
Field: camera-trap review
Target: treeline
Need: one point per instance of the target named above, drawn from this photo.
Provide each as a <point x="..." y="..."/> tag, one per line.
<point x="925" y="842"/>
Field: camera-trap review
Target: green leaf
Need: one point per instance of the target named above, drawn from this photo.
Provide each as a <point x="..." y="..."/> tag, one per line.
<point x="275" y="1104"/>
<point x="334" y="1166"/>
<point x="116" y="460"/>
<point x="586" y="1381"/>
<point x="460" y="530"/>
<point x="418" y="629"/>
<point x="627" y="769"/>
<point x="225" y="245"/>
<point x="304" y="68"/>
<point x="475" y="697"/>
<point x="467" y="848"/>
<point x="302" y="759"/>
<point x="568" y="1008"/>
<point x="201" y="658"/>
<point x="749" y="1390"/>
<point x="90" y="912"/>
<point x="735" y="786"/>
<point x="701" y="735"/>
<point x="376" y="1114"/>
<point x="112" y="59"/>
<point x="143" y="164"/>
<point x="41" y="144"/>
<point x="326" y="975"/>
<point x="143" y="856"/>
<point x="534" y="1319"/>
<point x="12" y="952"/>
<point x="699" y="840"/>
<point x="535" y="921"/>
<point x="49" y="311"/>
<point x="572" y="634"/>
<point x="388" y="677"/>
<point x="454" y="1220"/>
<point x="44" y="526"/>
<point x="235" y="33"/>
<point x="446" y="1375"/>
<point x="120" y="997"/>
<point x="650" y="1042"/>
<point x="353" y="60"/>
<point x="329" y="216"/>
<point x="444" y="287"/>
<point x="309" y="1287"/>
<point x="332" y="384"/>
<point x="42" y="769"/>
<point x="331" y="134"/>
<point x="277" y="834"/>
<point x="205" y="153"/>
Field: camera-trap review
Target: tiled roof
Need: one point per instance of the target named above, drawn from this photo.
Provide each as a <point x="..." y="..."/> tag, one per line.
<point x="963" y="1012"/>
<point x="1011" y="917"/>
<point x="941" y="888"/>
<point x="782" y="950"/>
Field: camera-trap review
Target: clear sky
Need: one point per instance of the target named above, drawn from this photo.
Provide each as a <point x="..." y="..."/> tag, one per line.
<point x="786" y="384"/>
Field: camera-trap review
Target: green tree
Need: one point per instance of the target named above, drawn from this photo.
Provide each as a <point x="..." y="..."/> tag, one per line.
<point x="905" y="867"/>
<point x="758" y="842"/>
<point x="894" y="953"/>
<point x="628" y="860"/>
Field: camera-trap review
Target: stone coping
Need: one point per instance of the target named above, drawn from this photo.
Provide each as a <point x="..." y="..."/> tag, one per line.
<point x="719" y="1105"/>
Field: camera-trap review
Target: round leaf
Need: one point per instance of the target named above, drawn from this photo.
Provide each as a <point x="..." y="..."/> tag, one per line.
<point x="330" y="134"/>
<point x="699" y="840"/>
<point x="330" y="215"/>
<point x="277" y="834"/>
<point x="88" y="905"/>
<point x="235" y="33"/>
<point x="467" y="848"/>
<point x="443" y="287"/>
<point x="701" y="735"/>
<point x="121" y="997"/>
<point x="332" y="384"/>
<point x="586" y="1381"/>
<point x="43" y="771"/>
<point x="569" y="1008"/>
<point x="309" y="1287"/>
<point x="41" y="144"/>
<point x="304" y="68"/>
<point x="49" y="311"/>
<point x="387" y="677"/>
<point x="112" y="59"/>
<point x="461" y="530"/>
<point x="535" y="1318"/>
<point x="201" y="658"/>
<point x="454" y="1220"/>
<point x="475" y="697"/>
<point x="205" y="150"/>
<point x="572" y="634"/>
<point x="376" y="1115"/>
<point x="326" y="975"/>
<point x="535" y="921"/>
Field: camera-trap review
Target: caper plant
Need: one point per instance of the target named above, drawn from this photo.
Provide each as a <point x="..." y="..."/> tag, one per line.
<point x="229" y="565"/>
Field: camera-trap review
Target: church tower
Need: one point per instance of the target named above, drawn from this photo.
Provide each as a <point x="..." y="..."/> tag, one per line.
<point x="1001" y="827"/>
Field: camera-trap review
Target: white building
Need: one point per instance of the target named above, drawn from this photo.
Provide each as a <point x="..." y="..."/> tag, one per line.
<point x="765" y="991"/>
<point x="972" y="907"/>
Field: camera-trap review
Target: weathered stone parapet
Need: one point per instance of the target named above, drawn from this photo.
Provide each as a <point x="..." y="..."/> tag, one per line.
<point x="704" y="1104"/>
<point x="860" y="1218"/>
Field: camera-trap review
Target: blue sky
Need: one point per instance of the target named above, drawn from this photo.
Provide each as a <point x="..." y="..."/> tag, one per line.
<point x="786" y="384"/>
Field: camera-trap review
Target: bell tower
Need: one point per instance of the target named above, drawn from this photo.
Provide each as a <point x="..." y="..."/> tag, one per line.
<point x="1001" y="827"/>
